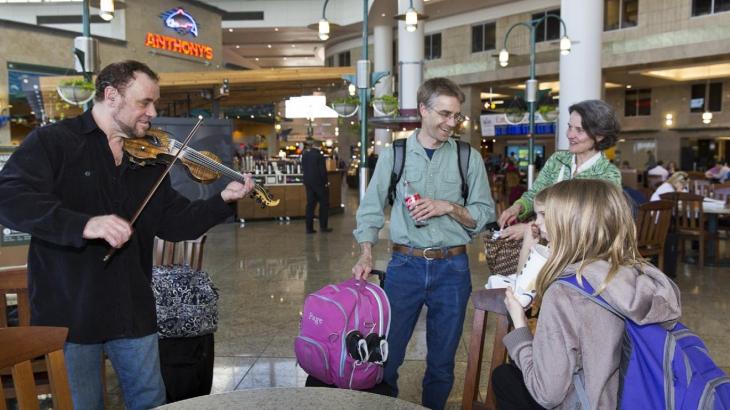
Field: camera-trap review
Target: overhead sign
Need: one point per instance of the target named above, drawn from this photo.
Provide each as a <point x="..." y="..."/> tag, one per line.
<point x="181" y="21"/>
<point x="496" y="124"/>
<point x="177" y="45"/>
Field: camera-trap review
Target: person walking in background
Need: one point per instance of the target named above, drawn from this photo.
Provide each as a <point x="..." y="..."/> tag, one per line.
<point x="72" y="187"/>
<point x="429" y="264"/>
<point x="592" y="128"/>
<point x="659" y="171"/>
<point x="317" y="186"/>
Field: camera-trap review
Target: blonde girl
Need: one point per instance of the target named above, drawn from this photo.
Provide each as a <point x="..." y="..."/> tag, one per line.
<point x="592" y="235"/>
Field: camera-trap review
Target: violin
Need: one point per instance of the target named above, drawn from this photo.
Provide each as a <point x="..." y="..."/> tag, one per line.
<point x="158" y="146"/>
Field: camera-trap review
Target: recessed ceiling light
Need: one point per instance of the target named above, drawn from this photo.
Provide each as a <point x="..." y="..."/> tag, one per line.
<point x="284" y="58"/>
<point x="230" y="30"/>
<point x="293" y="45"/>
<point x="628" y="85"/>
<point x="237" y="46"/>
<point x="257" y="59"/>
<point x="276" y="28"/>
<point x="382" y="15"/>
<point x="268" y="45"/>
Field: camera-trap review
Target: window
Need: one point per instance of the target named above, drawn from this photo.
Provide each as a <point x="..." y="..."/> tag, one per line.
<point x="548" y="29"/>
<point x="637" y="102"/>
<point x="330" y="61"/>
<point x="432" y="46"/>
<point x="703" y="7"/>
<point x="699" y="92"/>
<point x="618" y="14"/>
<point x="343" y="59"/>
<point x="483" y="37"/>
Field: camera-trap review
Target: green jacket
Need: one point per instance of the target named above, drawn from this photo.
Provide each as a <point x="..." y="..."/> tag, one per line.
<point x="550" y="174"/>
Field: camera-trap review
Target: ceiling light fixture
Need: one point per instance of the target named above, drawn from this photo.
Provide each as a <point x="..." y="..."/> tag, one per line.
<point x="411" y="18"/>
<point x="106" y="10"/>
<point x="324" y="25"/>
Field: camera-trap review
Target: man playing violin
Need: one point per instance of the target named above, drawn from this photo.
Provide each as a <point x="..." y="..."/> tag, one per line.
<point x="71" y="187"/>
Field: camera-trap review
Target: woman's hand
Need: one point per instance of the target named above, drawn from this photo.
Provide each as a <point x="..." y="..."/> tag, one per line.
<point x="514" y="232"/>
<point x="515" y="310"/>
<point x="509" y="215"/>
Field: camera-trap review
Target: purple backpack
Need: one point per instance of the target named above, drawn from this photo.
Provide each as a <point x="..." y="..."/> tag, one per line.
<point x="343" y="331"/>
<point x="661" y="369"/>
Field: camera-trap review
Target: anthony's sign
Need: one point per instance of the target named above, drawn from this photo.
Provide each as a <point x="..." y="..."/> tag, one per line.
<point x="183" y="23"/>
<point x="177" y="45"/>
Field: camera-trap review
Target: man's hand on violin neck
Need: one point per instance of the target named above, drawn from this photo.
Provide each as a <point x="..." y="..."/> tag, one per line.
<point x="111" y="228"/>
<point x="236" y="190"/>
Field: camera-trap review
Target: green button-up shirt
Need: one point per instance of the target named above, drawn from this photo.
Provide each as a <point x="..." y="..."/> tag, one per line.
<point x="436" y="178"/>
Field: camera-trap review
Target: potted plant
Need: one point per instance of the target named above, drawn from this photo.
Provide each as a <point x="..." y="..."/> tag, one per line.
<point x="77" y="92"/>
<point x="514" y="114"/>
<point x="548" y="112"/>
<point x="386" y="104"/>
<point x="346" y="106"/>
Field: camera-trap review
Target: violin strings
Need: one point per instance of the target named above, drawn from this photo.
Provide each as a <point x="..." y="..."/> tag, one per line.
<point x="205" y="161"/>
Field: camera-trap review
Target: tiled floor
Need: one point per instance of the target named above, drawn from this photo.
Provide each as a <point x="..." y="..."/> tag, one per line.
<point x="265" y="269"/>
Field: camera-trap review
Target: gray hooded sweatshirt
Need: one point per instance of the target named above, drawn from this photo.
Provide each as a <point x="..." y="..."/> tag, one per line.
<point x="574" y="334"/>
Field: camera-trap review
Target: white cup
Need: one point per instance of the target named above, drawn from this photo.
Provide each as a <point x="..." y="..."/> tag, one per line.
<point x="527" y="278"/>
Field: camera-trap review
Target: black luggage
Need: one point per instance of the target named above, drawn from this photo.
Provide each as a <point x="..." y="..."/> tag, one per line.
<point x="187" y="366"/>
<point x="670" y="254"/>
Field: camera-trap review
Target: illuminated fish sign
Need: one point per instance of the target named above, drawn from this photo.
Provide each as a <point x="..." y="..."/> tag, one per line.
<point x="180" y="20"/>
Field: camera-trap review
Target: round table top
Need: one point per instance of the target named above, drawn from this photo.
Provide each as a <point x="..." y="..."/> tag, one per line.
<point x="293" y="398"/>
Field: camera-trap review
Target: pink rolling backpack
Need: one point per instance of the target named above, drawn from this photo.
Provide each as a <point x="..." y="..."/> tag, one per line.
<point x="342" y="337"/>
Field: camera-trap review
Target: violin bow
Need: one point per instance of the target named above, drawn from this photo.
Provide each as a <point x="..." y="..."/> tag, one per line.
<point x="159" y="181"/>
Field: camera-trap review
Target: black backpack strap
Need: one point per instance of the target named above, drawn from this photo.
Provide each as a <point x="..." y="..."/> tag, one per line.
<point x="399" y="160"/>
<point x="463" y="158"/>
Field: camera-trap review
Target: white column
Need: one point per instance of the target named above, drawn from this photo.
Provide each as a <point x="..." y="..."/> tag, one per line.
<point x="410" y="60"/>
<point x="383" y="61"/>
<point x="580" y="71"/>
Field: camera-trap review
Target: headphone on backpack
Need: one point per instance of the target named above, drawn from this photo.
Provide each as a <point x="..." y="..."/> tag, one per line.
<point x="371" y="348"/>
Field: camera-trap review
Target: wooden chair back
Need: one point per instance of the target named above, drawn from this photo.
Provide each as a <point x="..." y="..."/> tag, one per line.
<point x="14" y="281"/>
<point x="652" y="226"/>
<point x="22" y="344"/>
<point x="485" y="301"/>
<point x="182" y="253"/>
<point x="699" y="186"/>
<point x="721" y="191"/>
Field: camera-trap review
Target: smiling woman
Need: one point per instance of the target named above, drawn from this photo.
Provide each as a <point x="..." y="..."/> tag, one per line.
<point x="592" y="128"/>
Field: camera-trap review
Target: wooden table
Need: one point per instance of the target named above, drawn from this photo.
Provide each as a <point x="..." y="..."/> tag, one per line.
<point x="293" y="398"/>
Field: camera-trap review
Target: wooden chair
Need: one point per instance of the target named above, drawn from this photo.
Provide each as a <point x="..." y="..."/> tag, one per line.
<point x="721" y="191"/>
<point x="699" y="186"/>
<point x="22" y="344"/>
<point x="689" y="221"/>
<point x="653" y="181"/>
<point x="652" y="226"/>
<point x="485" y="301"/>
<point x="183" y="252"/>
<point x="14" y="281"/>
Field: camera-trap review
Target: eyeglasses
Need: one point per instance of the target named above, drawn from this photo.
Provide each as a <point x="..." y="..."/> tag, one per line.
<point x="446" y="115"/>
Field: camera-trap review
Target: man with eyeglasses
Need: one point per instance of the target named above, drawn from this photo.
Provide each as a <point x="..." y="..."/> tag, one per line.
<point x="429" y="265"/>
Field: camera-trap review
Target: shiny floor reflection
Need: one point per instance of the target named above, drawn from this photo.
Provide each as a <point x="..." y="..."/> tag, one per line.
<point x="264" y="270"/>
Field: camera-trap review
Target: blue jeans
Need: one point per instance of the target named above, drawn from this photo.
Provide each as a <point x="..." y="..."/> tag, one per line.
<point x="444" y="286"/>
<point x="136" y="362"/>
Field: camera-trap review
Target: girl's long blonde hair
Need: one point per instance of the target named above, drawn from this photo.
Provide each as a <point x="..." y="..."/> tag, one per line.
<point x="587" y="220"/>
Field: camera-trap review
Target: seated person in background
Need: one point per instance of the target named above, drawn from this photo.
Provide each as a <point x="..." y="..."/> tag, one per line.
<point x="678" y="182"/>
<point x="718" y="172"/>
<point x="659" y="170"/>
<point x="625" y="165"/>
<point x="591" y="235"/>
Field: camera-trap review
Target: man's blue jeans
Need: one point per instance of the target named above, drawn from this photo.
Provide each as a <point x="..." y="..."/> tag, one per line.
<point x="444" y="286"/>
<point x="136" y="362"/>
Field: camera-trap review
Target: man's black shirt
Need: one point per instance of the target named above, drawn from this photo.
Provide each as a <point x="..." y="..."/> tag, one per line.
<point x="61" y="176"/>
